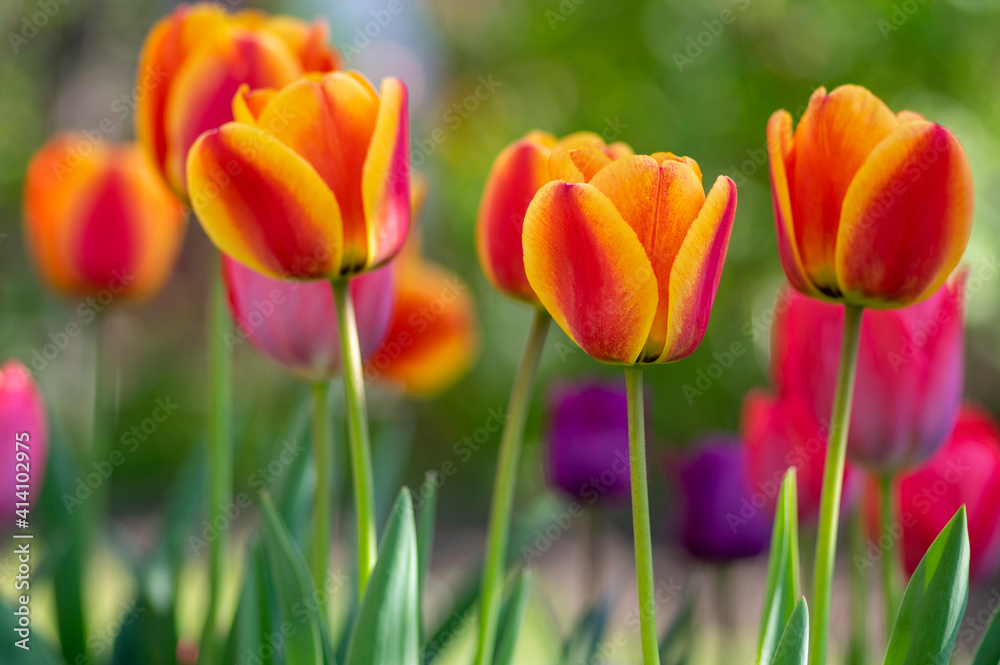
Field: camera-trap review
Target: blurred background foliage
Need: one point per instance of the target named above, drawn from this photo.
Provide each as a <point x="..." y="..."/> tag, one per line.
<point x="696" y="78"/>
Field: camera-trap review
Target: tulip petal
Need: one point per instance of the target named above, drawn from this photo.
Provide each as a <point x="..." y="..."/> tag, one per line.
<point x="659" y="202"/>
<point x="833" y="139"/>
<point x="306" y="40"/>
<point x="590" y="271"/>
<point x="779" y="152"/>
<point x="907" y="218"/>
<point x="695" y="275"/>
<point x="517" y="174"/>
<point x="385" y="184"/>
<point x="576" y="165"/>
<point x="264" y="205"/>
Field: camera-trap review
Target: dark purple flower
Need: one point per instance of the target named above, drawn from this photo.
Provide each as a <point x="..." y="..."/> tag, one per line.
<point x="587" y="456"/>
<point x="717" y="522"/>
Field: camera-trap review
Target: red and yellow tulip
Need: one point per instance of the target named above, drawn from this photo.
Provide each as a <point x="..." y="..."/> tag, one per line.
<point x="310" y="181"/>
<point x="627" y="258"/>
<point x="871" y="207"/>
<point x="517" y="174"/>
<point x="193" y="62"/>
<point x="98" y="217"/>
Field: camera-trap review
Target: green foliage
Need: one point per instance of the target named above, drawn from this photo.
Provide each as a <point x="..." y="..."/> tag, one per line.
<point x="782" y="591"/>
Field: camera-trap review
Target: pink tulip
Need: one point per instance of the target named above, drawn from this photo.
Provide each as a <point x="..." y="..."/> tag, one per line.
<point x="295" y="324"/>
<point x="25" y="442"/>
<point x="910" y="367"/>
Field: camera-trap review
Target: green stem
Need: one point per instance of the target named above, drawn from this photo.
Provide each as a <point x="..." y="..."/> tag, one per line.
<point x="833" y="478"/>
<point x="220" y="462"/>
<point x="886" y="519"/>
<point x="503" y="487"/>
<point x="322" y="455"/>
<point x="859" y="593"/>
<point x="640" y="516"/>
<point x="357" y="429"/>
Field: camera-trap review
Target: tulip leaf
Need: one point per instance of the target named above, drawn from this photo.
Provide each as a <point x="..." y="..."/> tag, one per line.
<point x="386" y="631"/>
<point x="793" y="649"/>
<point x="934" y="602"/>
<point x="782" y="590"/>
<point x="511" y="616"/>
<point x="427" y="514"/>
<point x="988" y="652"/>
<point x="581" y="645"/>
<point x="296" y="596"/>
<point x="675" y="648"/>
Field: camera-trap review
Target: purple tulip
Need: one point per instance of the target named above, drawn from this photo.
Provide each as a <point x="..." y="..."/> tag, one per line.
<point x="587" y="456"/>
<point x="715" y="524"/>
<point x="295" y="324"/>
<point x="25" y="442"/>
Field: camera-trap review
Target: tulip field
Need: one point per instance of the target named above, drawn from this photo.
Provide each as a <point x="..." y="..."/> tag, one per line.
<point x="520" y="332"/>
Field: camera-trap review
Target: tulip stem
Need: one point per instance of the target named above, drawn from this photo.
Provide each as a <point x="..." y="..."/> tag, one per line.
<point x="887" y="519"/>
<point x="504" y="485"/>
<point x="322" y="456"/>
<point x="220" y="459"/>
<point x="357" y="430"/>
<point x="833" y="479"/>
<point x="857" y="651"/>
<point x="640" y="516"/>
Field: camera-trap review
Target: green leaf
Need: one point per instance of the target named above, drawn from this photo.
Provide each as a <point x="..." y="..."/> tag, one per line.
<point x="675" y="648"/>
<point x="387" y="628"/>
<point x="782" y="591"/>
<point x="297" y="599"/>
<point x="146" y="636"/>
<point x="793" y="649"/>
<point x="427" y="515"/>
<point x="41" y="653"/>
<point x="581" y="645"/>
<point x="988" y="652"/>
<point x="511" y="616"/>
<point x="934" y="603"/>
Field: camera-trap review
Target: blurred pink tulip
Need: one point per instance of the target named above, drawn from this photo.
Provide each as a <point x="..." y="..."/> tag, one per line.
<point x="295" y="324"/>
<point x="24" y="428"/>
<point x="910" y="370"/>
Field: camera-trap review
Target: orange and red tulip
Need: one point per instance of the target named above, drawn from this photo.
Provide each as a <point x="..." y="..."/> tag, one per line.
<point x="517" y="174"/>
<point x="871" y="207"/>
<point x="310" y="181"/>
<point x="628" y="263"/>
<point x="98" y="217"/>
<point x="193" y="62"/>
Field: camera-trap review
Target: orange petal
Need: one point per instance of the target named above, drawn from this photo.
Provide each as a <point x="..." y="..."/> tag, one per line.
<point x="694" y="278"/>
<point x="576" y="165"/>
<point x="433" y="338"/>
<point x="582" y="140"/>
<point x="308" y="41"/>
<point x="907" y="218"/>
<point x="264" y="205"/>
<point x="659" y="202"/>
<point x="590" y="271"/>
<point x="385" y="184"/>
<point x="249" y="104"/>
<point x="833" y="140"/>
<point x="517" y="174"/>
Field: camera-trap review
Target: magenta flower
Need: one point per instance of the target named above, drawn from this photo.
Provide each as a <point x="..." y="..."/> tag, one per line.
<point x="295" y="324"/>
<point x="25" y="439"/>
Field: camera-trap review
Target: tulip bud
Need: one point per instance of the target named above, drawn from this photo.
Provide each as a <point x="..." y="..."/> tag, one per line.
<point x="871" y="208"/>
<point x="98" y="219"/>
<point x="908" y="388"/>
<point x="25" y="440"/>
<point x="193" y="62"/>
<point x="587" y="449"/>
<point x="715" y="523"/>
<point x="965" y="471"/>
<point x="295" y="323"/>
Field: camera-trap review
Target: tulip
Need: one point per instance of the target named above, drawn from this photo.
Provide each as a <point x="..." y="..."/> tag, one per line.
<point x="517" y="174"/>
<point x="310" y="181"/>
<point x="587" y="453"/>
<point x="783" y="432"/>
<point x="909" y="377"/>
<point x="965" y="471"/>
<point x="628" y="263"/>
<point x="98" y="220"/>
<point x="193" y="62"/>
<point x="871" y="208"/>
<point x="714" y="490"/>
<point x="25" y="431"/>
<point x="295" y="323"/>
<point x="433" y="336"/>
